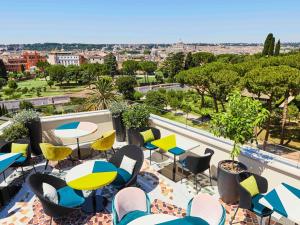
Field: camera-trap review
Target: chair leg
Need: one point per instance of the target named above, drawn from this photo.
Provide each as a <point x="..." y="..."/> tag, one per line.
<point x="195" y="181"/>
<point x="260" y="223"/>
<point x="34" y="168"/>
<point x="209" y="176"/>
<point x="46" y="164"/>
<point x="232" y="218"/>
<point x="106" y="155"/>
<point x="269" y="220"/>
<point x="23" y="174"/>
<point x="150" y="156"/>
<point x="51" y="220"/>
<point x="113" y="150"/>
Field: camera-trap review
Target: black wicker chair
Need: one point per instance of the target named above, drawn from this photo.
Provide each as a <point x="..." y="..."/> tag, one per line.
<point x="149" y="146"/>
<point x="6" y="148"/>
<point x="198" y="164"/>
<point x="252" y="203"/>
<point x="134" y="152"/>
<point x="53" y="210"/>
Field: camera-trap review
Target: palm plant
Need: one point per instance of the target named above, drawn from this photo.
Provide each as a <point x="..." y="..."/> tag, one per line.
<point x="103" y="94"/>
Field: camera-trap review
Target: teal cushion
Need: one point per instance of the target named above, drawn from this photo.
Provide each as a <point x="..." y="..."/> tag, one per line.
<point x="68" y="197"/>
<point x="132" y="216"/>
<point x="258" y="208"/>
<point x="149" y="146"/>
<point x="177" y="151"/>
<point x="122" y="178"/>
<point x="21" y="160"/>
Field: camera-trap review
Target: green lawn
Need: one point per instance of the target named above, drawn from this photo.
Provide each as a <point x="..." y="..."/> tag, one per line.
<point x="39" y="83"/>
<point x="141" y="78"/>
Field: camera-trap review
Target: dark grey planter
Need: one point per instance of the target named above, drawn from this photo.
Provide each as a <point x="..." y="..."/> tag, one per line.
<point x="35" y="135"/>
<point x="133" y="136"/>
<point x="227" y="184"/>
<point x="119" y="127"/>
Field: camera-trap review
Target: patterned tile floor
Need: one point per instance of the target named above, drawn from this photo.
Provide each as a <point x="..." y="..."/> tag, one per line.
<point x="166" y="197"/>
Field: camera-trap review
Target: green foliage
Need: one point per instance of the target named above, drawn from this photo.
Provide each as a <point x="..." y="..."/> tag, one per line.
<point x="156" y="101"/>
<point x="24" y="90"/>
<point x="125" y="85"/>
<point x="137" y="95"/>
<point x="3" y="71"/>
<point x="173" y="64"/>
<point x="200" y="58"/>
<point x="238" y="122"/>
<point x="277" y="48"/>
<point x="188" y="63"/>
<point x="117" y="108"/>
<point x="136" y="116"/>
<point x="129" y="67"/>
<point x="14" y="132"/>
<point x="26" y="115"/>
<point x="159" y="76"/>
<point x="111" y="62"/>
<point x="3" y="82"/>
<point x="293" y="111"/>
<point x="8" y="91"/>
<point x="271" y="47"/>
<point x="148" y="67"/>
<point x="103" y="94"/>
<point x="12" y="84"/>
<point x="267" y="44"/>
<point x="26" y="105"/>
<point x="57" y="73"/>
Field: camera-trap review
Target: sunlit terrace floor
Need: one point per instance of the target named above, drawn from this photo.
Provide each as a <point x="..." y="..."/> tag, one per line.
<point x="166" y="196"/>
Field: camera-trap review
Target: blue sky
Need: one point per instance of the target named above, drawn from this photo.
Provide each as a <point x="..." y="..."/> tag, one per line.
<point x="148" y="21"/>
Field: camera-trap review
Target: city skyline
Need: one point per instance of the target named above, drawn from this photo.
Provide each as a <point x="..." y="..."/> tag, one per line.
<point x="127" y="21"/>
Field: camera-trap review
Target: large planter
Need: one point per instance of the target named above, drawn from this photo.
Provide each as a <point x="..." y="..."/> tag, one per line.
<point x="35" y="135"/>
<point x="119" y="127"/>
<point x="133" y="136"/>
<point x="227" y="183"/>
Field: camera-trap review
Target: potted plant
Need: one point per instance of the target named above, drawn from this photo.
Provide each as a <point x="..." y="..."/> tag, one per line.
<point x="135" y="119"/>
<point x="237" y="123"/>
<point x="117" y="109"/>
<point x="31" y="120"/>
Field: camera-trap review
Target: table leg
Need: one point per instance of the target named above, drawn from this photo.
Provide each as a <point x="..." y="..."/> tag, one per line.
<point x="95" y="203"/>
<point x="174" y="168"/>
<point x="78" y="149"/>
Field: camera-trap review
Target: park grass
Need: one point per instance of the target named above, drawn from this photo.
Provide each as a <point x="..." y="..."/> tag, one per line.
<point x="55" y="90"/>
<point x="141" y="79"/>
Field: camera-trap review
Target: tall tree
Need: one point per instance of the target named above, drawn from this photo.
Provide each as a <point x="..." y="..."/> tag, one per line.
<point x="125" y="85"/>
<point x="271" y="47"/>
<point x="200" y="58"/>
<point x="173" y="64"/>
<point x="111" y="62"/>
<point x="57" y="73"/>
<point x="3" y="71"/>
<point x="129" y="67"/>
<point x="267" y="44"/>
<point x="277" y="48"/>
<point x="269" y="81"/>
<point x="188" y="63"/>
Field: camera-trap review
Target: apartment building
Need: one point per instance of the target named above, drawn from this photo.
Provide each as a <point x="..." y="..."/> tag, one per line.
<point x="65" y="58"/>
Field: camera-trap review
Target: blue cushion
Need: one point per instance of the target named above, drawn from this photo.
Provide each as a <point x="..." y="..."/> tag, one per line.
<point x="69" y="197"/>
<point x="132" y="216"/>
<point x="183" y="162"/>
<point x="21" y="160"/>
<point x="149" y="146"/>
<point x="177" y="151"/>
<point x="122" y="178"/>
<point x="258" y="208"/>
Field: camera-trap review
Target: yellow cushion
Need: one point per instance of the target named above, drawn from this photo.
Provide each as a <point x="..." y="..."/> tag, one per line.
<point x="147" y="135"/>
<point x="19" y="148"/>
<point x="165" y="143"/>
<point x="250" y="185"/>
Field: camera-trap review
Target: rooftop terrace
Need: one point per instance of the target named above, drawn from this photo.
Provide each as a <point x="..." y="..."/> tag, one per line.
<point x="166" y="196"/>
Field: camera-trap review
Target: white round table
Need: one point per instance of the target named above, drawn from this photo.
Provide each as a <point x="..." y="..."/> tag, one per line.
<point x="75" y="130"/>
<point x="152" y="219"/>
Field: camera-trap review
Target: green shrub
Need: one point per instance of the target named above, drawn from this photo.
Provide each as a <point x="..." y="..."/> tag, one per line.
<point x="136" y="116"/>
<point x="15" y="131"/>
<point x="8" y="91"/>
<point x="117" y="108"/>
<point x="12" y="84"/>
<point x="137" y="95"/>
<point x="25" y="116"/>
<point x="26" y="105"/>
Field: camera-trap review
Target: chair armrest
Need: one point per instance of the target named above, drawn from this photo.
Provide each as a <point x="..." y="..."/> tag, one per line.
<point x="245" y="198"/>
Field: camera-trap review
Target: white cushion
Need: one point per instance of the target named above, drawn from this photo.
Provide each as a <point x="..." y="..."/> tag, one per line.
<point x="127" y="164"/>
<point x="50" y="193"/>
